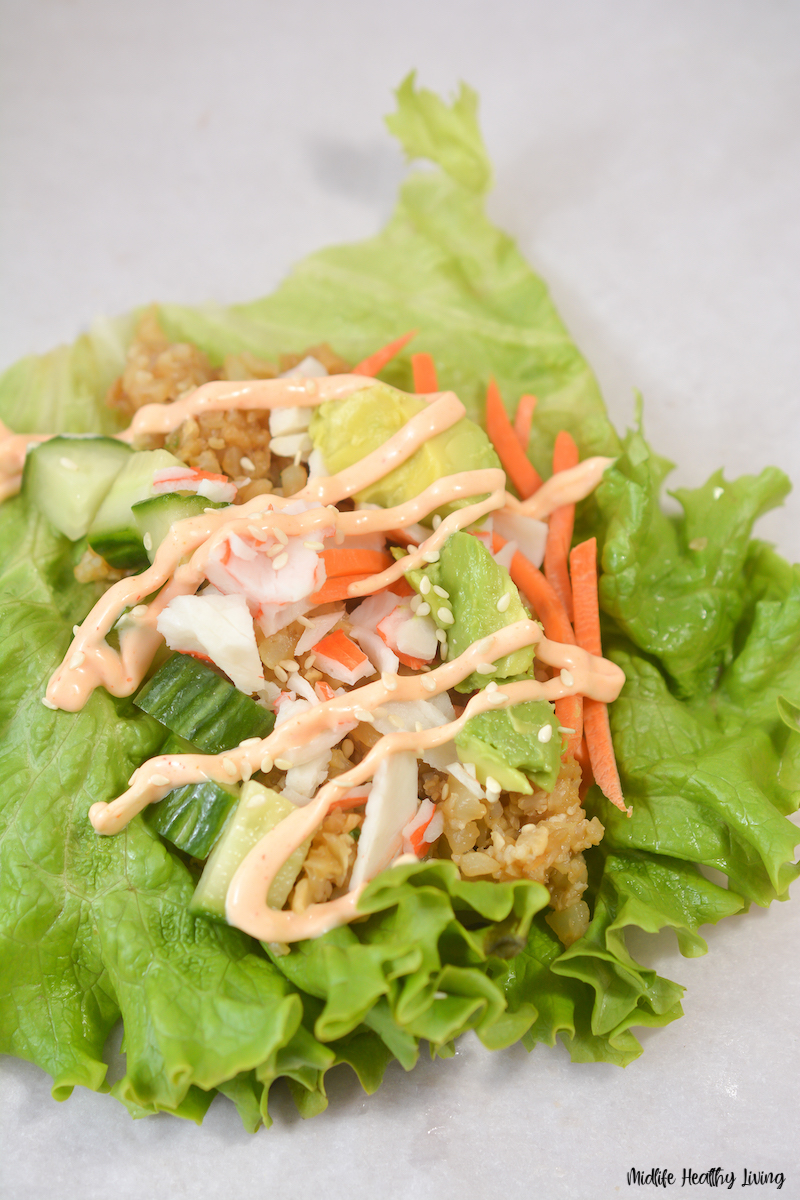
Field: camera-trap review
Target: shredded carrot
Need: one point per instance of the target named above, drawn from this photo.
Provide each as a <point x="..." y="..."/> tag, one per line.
<point x="561" y="525"/>
<point x="543" y="598"/>
<point x="556" y="550"/>
<point x="337" y="589"/>
<point x="551" y="612"/>
<point x="583" y="565"/>
<point x="401" y="587"/>
<point x="424" y="369"/>
<point x="521" y="472"/>
<point x="345" y="561"/>
<point x="523" y="420"/>
<point x="565" y="452"/>
<point x="375" y="363"/>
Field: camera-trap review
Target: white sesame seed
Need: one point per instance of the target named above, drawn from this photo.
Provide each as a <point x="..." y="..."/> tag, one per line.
<point x="361" y="714"/>
<point x="158" y="781"/>
<point x="445" y="616"/>
<point x="339" y="537"/>
<point x="76" y="630"/>
<point x="415" y="602"/>
<point x="423" y="610"/>
<point x="229" y="767"/>
<point x="280" y="674"/>
<point x="431" y="556"/>
<point x="545" y="733"/>
<point x="424" y="585"/>
<point x="419" y="727"/>
<point x="503" y="602"/>
<point x="389" y="681"/>
<point x="429" y="683"/>
<point x="281" y="535"/>
<point x="209" y="510"/>
<point x="68" y="464"/>
<point x="486" y="668"/>
<point x="133" y="776"/>
<point x="266" y="764"/>
<point x="718" y="491"/>
<point x="249" y="742"/>
<point x="491" y="687"/>
<point x="48" y="703"/>
<point x="498" y="698"/>
<point x="398" y="724"/>
<point x="148" y="541"/>
<point x="305" y="622"/>
<point x="492" y="785"/>
<point x="280" y="562"/>
<point x="309" y="662"/>
<point x="283" y="764"/>
<point x="347" y="747"/>
<point x="246" y="770"/>
<point x="420" y="751"/>
<point x="440" y="591"/>
<point x="437" y="520"/>
<point x="247" y="463"/>
<point x="314" y="545"/>
<point x="439" y="995"/>
<point x="443" y="652"/>
<point x="441" y="636"/>
<point x="566" y="677"/>
<point x="77" y="660"/>
<point x="140" y="610"/>
<point x="289" y="665"/>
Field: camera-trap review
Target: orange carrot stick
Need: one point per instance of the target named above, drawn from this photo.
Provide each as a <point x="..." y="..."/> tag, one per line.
<point x="337" y="589"/>
<point x="551" y="612"/>
<point x="524" y="419"/>
<point x="424" y="369"/>
<point x="521" y="472"/>
<point x="583" y="565"/>
<point x="375" y="363"/>
<point x="561" y="524"/>
<point x="343" y="561"/>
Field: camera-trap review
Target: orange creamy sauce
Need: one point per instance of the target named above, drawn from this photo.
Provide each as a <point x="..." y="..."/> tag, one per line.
<point x="179" y="569"/>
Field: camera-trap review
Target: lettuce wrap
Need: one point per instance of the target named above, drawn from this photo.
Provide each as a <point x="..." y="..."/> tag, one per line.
<point x="704" y="620"/>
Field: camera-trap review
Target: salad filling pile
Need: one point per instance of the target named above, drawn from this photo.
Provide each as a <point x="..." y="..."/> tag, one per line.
<point x="322" y="654"/>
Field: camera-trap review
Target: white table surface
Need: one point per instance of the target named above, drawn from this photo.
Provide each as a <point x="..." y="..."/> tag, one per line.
<point x="647" y="160"/>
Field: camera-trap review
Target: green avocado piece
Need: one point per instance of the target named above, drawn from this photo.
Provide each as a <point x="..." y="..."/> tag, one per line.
<point x="474" y="583"/>
<point x="347" y="430"/>
<point x="505" y="744"/>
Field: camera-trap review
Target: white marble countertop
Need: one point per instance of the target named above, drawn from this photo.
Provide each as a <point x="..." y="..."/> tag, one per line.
<point x="647" y="160"/>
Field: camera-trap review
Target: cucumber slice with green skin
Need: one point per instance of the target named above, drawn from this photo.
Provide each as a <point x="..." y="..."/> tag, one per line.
<point x="260" y="809"/>
<point x="192" y="817"/>
<point x="67" y="478"/>
<point x="194" y="701"/>
<point x="155" y="517"/>
<point x="113" y="534"/>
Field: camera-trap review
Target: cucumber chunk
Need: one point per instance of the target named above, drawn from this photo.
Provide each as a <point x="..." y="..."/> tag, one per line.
<point x="192" y="817"/>
<point x="194" y="701"/>
<point x="259" y="810"/>
<point x="68" y="477"/>
<point x="155" y="517"/>
<point x="113" y="534"/>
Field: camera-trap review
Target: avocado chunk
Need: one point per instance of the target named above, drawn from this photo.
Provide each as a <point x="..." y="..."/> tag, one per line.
<point x="344" y="431"/>
<point x="505" y="744"/>
<point x="474" y="583"/>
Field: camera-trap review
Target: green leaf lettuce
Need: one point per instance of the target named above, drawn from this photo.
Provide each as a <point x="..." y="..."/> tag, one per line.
<point x="704" y="621"/>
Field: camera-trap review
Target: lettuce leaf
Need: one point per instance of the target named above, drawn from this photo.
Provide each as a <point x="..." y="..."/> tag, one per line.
<point x="705" y="622"/>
